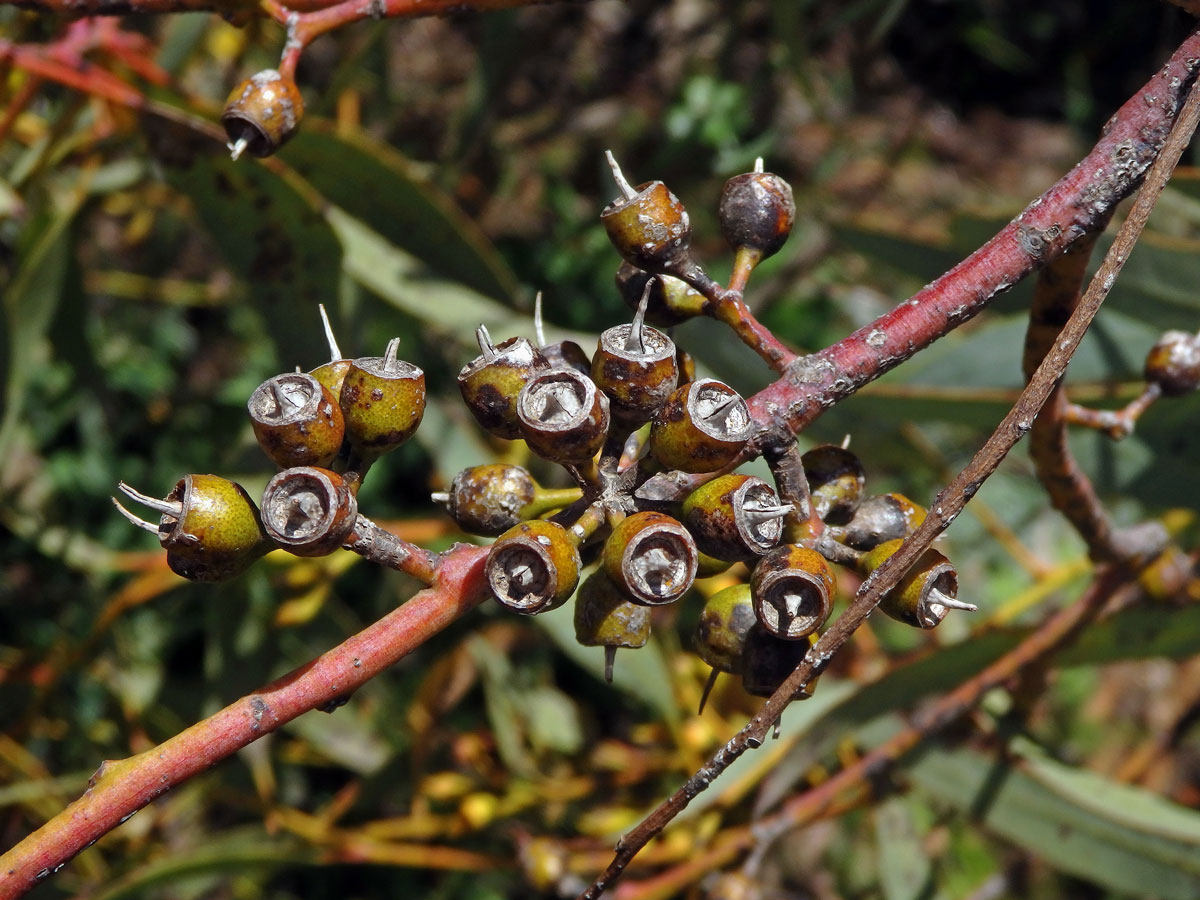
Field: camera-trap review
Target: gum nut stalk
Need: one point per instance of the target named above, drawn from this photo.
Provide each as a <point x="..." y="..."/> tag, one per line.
<point x="879" y="519"/>
<point x="723" y="628"/>
<point x="383" y="401"/>
<point x="262" y="113"/>
<point x="670" y="301"/>
<point x="793" y="591"/>
<point x="735" y="517"/>
<point x="487" y="500"/>
<point x="651" y="558"/>
<point x="701" y="427"/>
<point x="635" y="366"/>
<point x="756" y="212"/>
<point x="296" y="420"/>
<point x="1173" y="363"/>
<point x="925" y="594"/>
<point x="491" y="381"/>
<point x="605" y="618"/>
<point x="208" y="525"/>
<point x="564" y="417"/>
<point x="309" y="511"/>
<point x="533" y="567"/>
<point x="836" y="480"/>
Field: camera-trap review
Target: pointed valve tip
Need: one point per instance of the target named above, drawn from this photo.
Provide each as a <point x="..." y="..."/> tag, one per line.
<point x="486" y="347"/>
<point x="335" y="352"/>
<point x="610" y="656"/>
<point x="936" y="596"/>
<point x="166" y="507"/>
<point x="237" y="148"/>
<point x="538" y="330"/>
<point x="627" y="191"/>
<point x="135" y="520"/>
<point x="635" y="342"/>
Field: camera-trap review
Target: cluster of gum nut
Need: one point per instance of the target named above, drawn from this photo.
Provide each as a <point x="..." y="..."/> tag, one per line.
<point x="631" y="411"/>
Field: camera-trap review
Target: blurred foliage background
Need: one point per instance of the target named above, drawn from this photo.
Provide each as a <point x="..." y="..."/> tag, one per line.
<point x="446" y="171"/>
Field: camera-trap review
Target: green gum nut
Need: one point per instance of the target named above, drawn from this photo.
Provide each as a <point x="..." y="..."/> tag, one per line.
<point x="605" y="618"/>
<point x="383" y="401"/>
<point x="533" y="567"/>
<point x="651" y="558"/>
<point x="296" y="420"/>
<point x="701" y="427"/>
<point x="793" y="591"/>
<point x="724" y="627"/>
<point x="927" y="592"/>
<point x="491" y="382"/>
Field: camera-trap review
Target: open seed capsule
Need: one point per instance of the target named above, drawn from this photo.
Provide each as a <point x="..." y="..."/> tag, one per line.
<point x="262" y="113"/>
<point x="296" y="420"/>
<point x="208" y="525"/>
<point x="735" y="517"/>
<point x="605" y="618"/>
<point x="926" y="593"/>
<point x="533" y="567"/>
<point x="702" y="426"/>
<point x="651" y="558"/>
<point x="309" y="511"/>
<point x="563" y="416"/>
<point x="491" y="382"/>
<point x="793" y="591"/>
<point x="635" y="367"/>
<point x="383" y="401"/>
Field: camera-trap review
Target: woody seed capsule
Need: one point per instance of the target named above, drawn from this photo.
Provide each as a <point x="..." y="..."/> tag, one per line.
<point x="701" y="427"/>
<point x="651" y="558"/>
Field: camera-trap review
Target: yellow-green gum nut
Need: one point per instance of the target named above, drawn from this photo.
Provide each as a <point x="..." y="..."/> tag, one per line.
<point x="671" y="301"/>
<point x="489" y="499"/>
<point x="296" y="420"/>
<point x="793" y="591"/>
<point x="491" y="382"/>
<point x="836" y="480"/>
<point x="770" y="660"/>
<point x="701" y="427"/>
<point x="651" y="229"/>
<point x="533" y="567"/>
<point x="264" y="111"/>
<point x="218" y="533"/>
<point x="605" y="618"/>
<point x="914" y="600"/>
<point x="708" y="566"/>
<point x="651" y="558"/>
<point x="332" y="374"/>
<point x="724" y="625"/>
<point x="716" y="515"/>
<point x="636" y="380"/>
<point x="383" y="401"/>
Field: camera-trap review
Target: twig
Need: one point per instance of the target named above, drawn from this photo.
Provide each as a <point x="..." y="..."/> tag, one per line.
<point x="943" y="511"/>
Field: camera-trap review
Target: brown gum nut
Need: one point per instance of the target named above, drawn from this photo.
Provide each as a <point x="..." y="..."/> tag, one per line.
<point x="296" y="420"/>
<point x="637" y="380"/>
<point x="383" y="401"/>
<point x="651" y="229"/>
<point x="488" y="499"/>
<point x="914" y="600"/>
<point x="836" y="480"/>
<point x="564" y="417"/>
<point x="309" y="511"/>
<point x="490" y="384"/>
<point x="533" y="567"/>
<point x="881" y="518"/>
<point x="702" y="427"/>
<point x="218" y="532"/>
<point x="793" y="591"/>
<point x="651" y="558"/>
<point x="264" y="110"/>
<point x="1173" y="363"/>
<point x="757" y="210"/>
<point x="721" y="516"/>
<point x="567" y="355"/>
<point x="671" y="301"/>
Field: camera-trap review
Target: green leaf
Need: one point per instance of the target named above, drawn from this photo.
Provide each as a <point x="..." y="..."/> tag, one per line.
<point x="395" y="198"/>
<point x="1114" y="835"/>
<point x="904" y="867"/>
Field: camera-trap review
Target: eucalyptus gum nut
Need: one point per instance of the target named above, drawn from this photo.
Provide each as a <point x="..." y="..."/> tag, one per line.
<point x="769" y="660"/>
<point x="332" y="374"/>
<point x="383" y="401"/>
<point x="218" y="533"/>
<point x="533" y="567"/>
<point x="564" y="417"/>
<point x="757" y="211"/>
<point x="651" y="229"/>
<point x="792" y="588"/>
<point x="1173" y="363"/>
<point x="723" y="628"/>
<point x="296" y="420"/>
<point x="917" y="599"/>
<point x="491" y="382"/>
<point x="708" y="566"/>
<point x="836" y="481"/>
<point x="726" y="520"/>
<point x="671" y="301"/>
<point x="487" y="500"/>
<point x="878" y="519"/>
<point x="605" y="618"/>
<point x="701" y="427"/>
<point x="262" y="113"/>
<point x="309" y="511"/>
<point x="651" y="558"/>
<point x="637" y="376"/>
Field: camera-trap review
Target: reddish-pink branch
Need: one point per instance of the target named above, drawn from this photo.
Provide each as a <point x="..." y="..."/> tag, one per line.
<point x="120" y="788"/>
